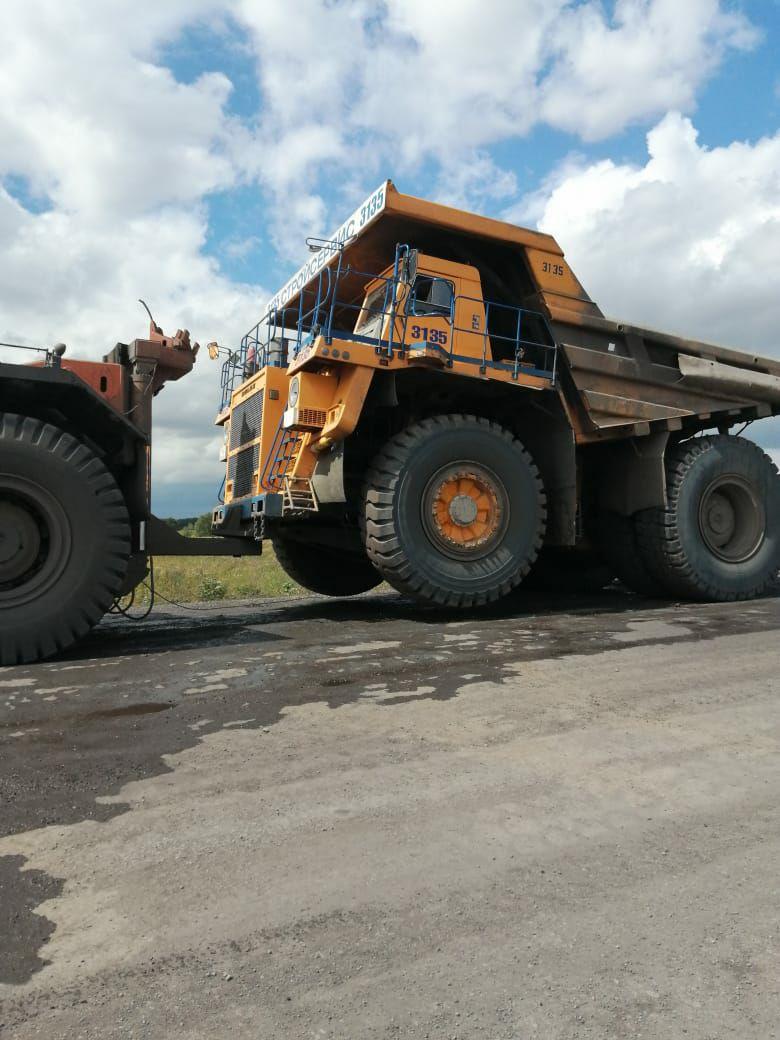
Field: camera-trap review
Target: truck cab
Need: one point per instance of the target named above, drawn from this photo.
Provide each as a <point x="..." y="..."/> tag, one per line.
<point x="440" y="313"/>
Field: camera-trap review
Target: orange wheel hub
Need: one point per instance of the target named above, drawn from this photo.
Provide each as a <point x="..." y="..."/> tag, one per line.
<point x="466" y="510"/>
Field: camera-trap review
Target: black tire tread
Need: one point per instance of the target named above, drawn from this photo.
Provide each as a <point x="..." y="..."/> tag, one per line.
<point x="381" y="541"/>
<point x="658" y="538"/>
<point x="617" y="537"/>
<point x="66" y="630"/>
<point x="346" y="574"/>
<point x="567" y="572"/>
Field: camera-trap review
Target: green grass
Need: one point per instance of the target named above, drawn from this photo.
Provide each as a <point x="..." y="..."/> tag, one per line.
<point x="187" y="579"/>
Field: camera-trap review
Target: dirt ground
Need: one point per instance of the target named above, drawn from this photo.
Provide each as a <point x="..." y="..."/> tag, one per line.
<point x="359" y="819"/>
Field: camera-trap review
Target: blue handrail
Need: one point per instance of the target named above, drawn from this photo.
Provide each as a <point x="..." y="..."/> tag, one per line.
<point x="280" y="335"/>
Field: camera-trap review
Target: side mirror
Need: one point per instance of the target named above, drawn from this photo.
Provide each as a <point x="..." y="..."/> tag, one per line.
<point x="213" y="349"/>
<point x="410" y="266"/>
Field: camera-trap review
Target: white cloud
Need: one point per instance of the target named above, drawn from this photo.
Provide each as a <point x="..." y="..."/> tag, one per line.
<point x="688" y="242"/>
<point x="475" y="180"/>
<point x="395" y="85"/>
<point x="92" y="122"/>
<point x="686" y="239"/>
<point x="125" y="156"/>
<point x="652" y="56"/>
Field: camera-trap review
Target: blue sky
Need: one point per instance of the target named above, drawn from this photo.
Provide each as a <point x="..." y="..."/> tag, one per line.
<point x="740" y="102"/>
<point x="183" y="151"/>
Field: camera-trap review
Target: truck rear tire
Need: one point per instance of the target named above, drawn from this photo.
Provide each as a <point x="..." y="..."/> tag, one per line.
<point x="328" y="572"/>
<point x="617" y="539"/>
<point x="719" y="536"/>
<point x="64" y="539"/>
<point x="564" y="571"/>
<point x="454" y="511"/>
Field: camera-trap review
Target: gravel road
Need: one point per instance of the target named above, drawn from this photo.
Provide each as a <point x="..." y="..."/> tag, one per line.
<point x="360" y="819"/>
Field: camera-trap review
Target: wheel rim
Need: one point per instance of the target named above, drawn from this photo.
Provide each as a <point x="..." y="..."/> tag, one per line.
<point x="20" y="542"/>
<point x="732" y="519"/>
<point x="35" y="541"/>
<point x="465" y="510"/>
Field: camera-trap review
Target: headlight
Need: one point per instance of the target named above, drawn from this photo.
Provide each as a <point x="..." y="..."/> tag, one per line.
<point x="294" y="392"/>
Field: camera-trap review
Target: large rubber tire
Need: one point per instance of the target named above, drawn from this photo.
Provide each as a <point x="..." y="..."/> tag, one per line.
<point x="563" y="571"/>
<point x="64" y="539"/>
<point x="617" y="539"/>
<point x="719" y="536"/>
<point x="405" y="487"/>
<point x="328" y="572"/>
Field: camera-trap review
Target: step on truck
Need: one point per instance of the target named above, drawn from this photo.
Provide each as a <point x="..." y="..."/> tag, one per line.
<point x="432" y="400"/>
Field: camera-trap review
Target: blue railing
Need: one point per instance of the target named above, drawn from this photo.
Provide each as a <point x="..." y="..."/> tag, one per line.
<point x="511" y="338"/>
<point x="530" y="344"/>
<point x="280" y="335"/>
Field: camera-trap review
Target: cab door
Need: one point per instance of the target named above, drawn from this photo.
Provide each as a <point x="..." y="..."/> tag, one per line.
<point x="429" y="319"/>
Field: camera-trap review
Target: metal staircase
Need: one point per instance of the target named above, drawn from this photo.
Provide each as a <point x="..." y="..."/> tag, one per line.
<point x="282" y="459"/>
<point x="299" y="495"/>
<point x="297" y="491"/>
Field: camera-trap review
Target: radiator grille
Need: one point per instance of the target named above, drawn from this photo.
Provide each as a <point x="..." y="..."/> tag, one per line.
<point x="311" y="417"/>
<point x="246" y="420"/>
<point x="241" y="470"/>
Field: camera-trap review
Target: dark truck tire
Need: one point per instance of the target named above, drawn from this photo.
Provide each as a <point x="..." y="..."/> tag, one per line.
<point x="617" y="539"/>
<point x="563" y="571"/>
<point x="454" y="511"/>
<point x="719" y="536"/>
<point x="328" y="571"/>
<point x="64" y="539"/>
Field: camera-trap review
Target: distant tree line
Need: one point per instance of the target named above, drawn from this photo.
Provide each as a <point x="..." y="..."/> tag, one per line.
<point x="191" y="526"/>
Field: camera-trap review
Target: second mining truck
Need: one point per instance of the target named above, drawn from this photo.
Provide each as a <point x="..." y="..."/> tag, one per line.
<point x="76" y="528"/>
<point x="434" y="399"/>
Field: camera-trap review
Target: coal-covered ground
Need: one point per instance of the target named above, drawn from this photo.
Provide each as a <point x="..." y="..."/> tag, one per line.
<point x="361" y="819"/>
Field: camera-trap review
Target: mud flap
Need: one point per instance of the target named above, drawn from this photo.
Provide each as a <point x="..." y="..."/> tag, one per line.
<point x="633" y="476"/>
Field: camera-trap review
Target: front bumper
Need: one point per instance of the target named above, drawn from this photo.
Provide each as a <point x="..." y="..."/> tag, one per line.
<point x="247" y="516"/>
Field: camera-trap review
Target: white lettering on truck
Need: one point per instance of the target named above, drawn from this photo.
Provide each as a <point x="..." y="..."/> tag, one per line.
<point x="364" y="215"/>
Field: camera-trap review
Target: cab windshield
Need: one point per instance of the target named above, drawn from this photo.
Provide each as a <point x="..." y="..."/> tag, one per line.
<point x="373" y="312"/>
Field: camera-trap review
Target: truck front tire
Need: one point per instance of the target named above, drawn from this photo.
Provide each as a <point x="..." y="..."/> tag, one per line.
<point x="454" y="511"/>
<point x="719" y="536"/>
<point x="64" y="539"/>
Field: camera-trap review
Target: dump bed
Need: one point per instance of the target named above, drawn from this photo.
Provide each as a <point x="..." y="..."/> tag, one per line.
<point x="629" y="381"/>
<point x="618" y="380"/>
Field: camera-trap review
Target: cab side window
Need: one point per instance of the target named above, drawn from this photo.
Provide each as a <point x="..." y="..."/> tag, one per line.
<point x="430" y="296"/>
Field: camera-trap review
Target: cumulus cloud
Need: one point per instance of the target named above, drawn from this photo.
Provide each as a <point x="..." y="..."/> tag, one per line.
<point x="359" y="89"/>
<point x="396" y="85"/>
<point x="108" y="160"/>
<point x="650" y="57"/>
<point x="687" y="241"/>
<point x="118" y="156"/>
<point x="95" y="125"/>
<point x="475" y="180"/>
<point x="687" y="237"/>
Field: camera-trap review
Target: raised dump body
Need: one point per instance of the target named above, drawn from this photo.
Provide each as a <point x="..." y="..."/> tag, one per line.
<point x="434" y="398"/>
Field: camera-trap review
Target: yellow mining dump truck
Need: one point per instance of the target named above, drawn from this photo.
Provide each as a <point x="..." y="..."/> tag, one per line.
<point x="434" y="400"/>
